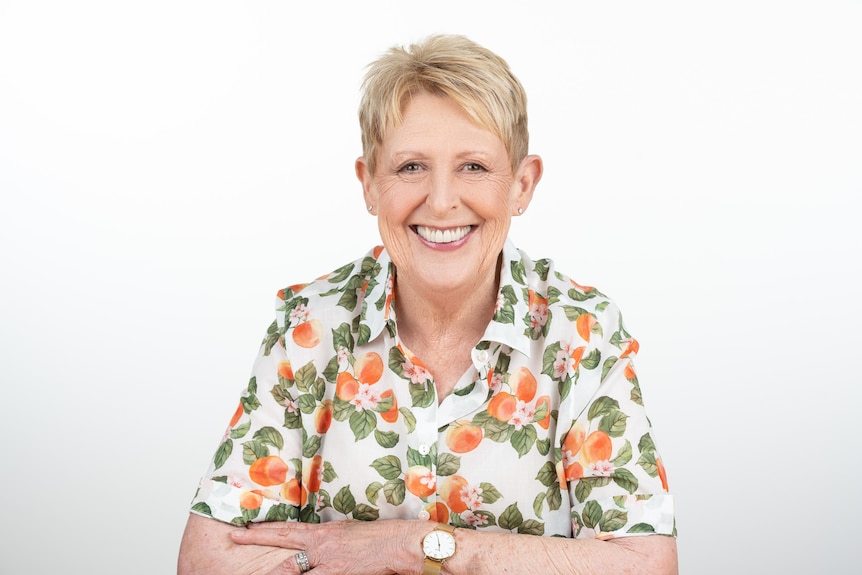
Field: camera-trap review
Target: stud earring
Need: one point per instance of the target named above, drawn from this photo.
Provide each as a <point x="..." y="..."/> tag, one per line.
<point x="520" y="211"/>
<point x="370" y="208"/>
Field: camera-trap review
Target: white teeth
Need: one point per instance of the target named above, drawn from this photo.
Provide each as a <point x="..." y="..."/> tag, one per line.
<point x="442" y="236"/>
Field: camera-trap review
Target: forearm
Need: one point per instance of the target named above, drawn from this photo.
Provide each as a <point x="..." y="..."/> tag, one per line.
<point x="207" y="549"/>
<point x="482" y="553"/>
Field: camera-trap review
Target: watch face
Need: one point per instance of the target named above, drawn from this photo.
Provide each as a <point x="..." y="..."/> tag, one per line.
<point x="439" y="545"/>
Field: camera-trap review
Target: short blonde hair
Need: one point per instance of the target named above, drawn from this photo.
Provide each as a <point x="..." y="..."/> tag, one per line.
<point x="446" y="65"/>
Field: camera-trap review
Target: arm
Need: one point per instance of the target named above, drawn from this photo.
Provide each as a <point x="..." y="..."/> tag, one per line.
<point x="384" y="547"/>
<point x="207" y="548"/>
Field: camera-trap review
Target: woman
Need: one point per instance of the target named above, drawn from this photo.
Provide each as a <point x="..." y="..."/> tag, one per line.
<point x="439" y="403"/>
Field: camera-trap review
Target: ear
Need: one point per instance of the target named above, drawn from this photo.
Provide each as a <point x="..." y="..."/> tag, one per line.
<point x="365" y="177"/>
<point x="526" y="179"/>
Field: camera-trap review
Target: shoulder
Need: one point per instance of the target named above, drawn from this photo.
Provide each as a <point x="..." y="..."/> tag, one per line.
<point x="349" y="276"/>
<point x="346" y="304"/>
<point x="544" y="284"/>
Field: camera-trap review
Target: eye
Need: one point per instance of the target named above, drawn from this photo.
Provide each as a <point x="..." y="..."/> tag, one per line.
<point x="473" y="167"/>
<point x="410" y="168"/>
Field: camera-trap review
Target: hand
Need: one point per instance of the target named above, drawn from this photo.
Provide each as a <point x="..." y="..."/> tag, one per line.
<point x="336" y="547"/>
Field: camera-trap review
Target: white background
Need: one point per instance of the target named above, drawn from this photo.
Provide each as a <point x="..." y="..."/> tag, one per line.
<point x="165" y="167"/>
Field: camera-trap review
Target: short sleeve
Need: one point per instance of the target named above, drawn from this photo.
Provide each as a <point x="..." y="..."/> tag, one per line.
<point x="609" y="463"/>
<point x="255" y="474"/>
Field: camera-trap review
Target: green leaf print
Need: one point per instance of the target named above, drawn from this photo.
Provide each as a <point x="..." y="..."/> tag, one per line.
<point x="282" y="512"/>
<point x="466" y="390"/>
<point x="614" y="423"/>
<point x="613" y="520"/>
<point x="253" y="450"/>
<point x="305" y="377"/>
<point x="344" y="501"/>
<point x="330" y="372"/>
<point x="600" y="307"/>
<point x="309" y="513"/>
<point x="416" y="458"/>
<point x="579" y="295"/>
<point x="409" y="418"/>
<point x="566" y="386"/>
<point x="554" y="497"/>
<point x="591" y="361"/>
<point x="448" y="464"/>
<point x="240" y="431"/>
<point x="250" y="402"/>
<point x="583" y="489"/>
<point x="349" y="296"/>
<point x="541" y="268"/>
<point x="269" y="436"/>
<point x="646" y="443"/>
<point x="328" y="472"/>
<point x="202" y="507"/>
<point x="574" y="312"/>
<point x="523" y="439"/>
<point x="549" y="357"/>
<point x="397" y="361"/>
<point x="547" y="474"/>
<point x="340" y="274"/>
<point x="311" y="446"/>
<point x="292" y="419"/>
<point x="388" y="466"/>
<point x="387" y="439"/>
<point x="489" y="493"/>
<point x="647" y="462"/>
<point x="625" y="479"/>
<point x="373" y="490"/>
<point x="281" y="391"/>
<point x="531" y="527"/>
<point x="362" y="423"/>
<point x="249" y="515"/>
<point x="342" y="337"/>
<point x="511" y="518"/>
<point x="394" y="491"/>
<point x="363" y="333"/>
<point x="494" y="429"/>
<point x="307" y="403"/>
<point x="269" y="342"/>
<point x="602" y="406"/>
<point x="518" y="272"/>
<point x="544" y="445"/>
<point x="606" y="367"/>
<point x="641" y="528"/>
<point x="592" y="514"/>
<point x="539" y="505"/>
<point x="624" y="455"/>
<point x="365" y="512"/>
<point x="342" y="410"/>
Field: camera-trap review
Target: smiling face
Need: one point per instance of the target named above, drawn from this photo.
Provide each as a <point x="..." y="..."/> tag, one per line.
<point x="444" y="194"/>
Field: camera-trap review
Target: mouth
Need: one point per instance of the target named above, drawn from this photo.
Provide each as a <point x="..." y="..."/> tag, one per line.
<point x="438" y="236"/>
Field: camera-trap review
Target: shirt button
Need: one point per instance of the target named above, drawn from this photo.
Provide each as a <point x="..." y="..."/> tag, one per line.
<point x="424" y="449"/>
<point x="482" y="356"/>
<point x="424" y="515"/>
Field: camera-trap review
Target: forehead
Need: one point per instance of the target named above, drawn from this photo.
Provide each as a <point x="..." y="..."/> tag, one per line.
<point x="429" y="119"/>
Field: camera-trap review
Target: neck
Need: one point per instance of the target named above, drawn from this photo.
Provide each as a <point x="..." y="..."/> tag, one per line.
<point x="443" y="319"/>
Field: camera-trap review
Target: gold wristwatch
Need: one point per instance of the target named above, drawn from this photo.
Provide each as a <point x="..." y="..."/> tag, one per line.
<point x="438" y="546"/>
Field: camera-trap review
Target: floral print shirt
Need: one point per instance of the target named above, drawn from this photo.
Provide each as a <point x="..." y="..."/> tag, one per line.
<point x="546" y="433"/>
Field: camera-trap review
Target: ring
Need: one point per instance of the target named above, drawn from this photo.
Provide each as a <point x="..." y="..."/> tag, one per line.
<point x="302" y="561"/>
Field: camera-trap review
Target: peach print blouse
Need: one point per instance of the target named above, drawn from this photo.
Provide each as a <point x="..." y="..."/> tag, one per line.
<point x="546" y="434"/>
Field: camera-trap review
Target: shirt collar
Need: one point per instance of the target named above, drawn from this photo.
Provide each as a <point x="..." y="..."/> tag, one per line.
<point x="506" y="328"/>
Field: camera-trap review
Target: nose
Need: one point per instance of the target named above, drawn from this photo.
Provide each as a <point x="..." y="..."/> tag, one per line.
<point x="443" y="194"/>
